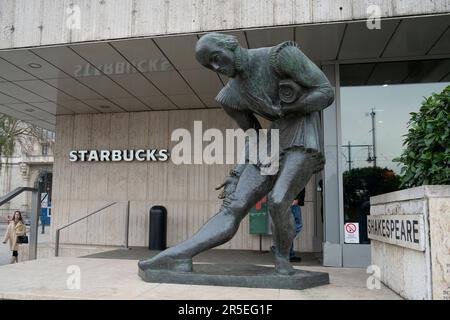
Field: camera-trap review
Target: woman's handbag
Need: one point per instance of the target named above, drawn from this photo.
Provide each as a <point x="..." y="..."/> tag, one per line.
<point x="22" y="239"/>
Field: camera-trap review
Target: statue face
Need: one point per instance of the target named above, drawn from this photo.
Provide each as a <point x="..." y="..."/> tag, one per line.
<point x="222" y="61"/>
<point x="218" y="59"/>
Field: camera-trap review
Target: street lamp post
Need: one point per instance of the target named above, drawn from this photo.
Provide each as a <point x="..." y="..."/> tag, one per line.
<point x="372" y="115"/>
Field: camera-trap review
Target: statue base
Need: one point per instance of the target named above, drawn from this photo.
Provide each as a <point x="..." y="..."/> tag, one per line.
<point x="238" y="275"/>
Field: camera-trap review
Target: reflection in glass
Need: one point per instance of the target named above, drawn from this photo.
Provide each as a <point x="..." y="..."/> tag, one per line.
<point x="376" y="101"/>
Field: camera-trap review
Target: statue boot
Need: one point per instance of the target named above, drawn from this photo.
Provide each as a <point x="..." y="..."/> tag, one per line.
<point x="167" y="260"/>
<point x="283" y="234"/>
<point x="218" y="230"/>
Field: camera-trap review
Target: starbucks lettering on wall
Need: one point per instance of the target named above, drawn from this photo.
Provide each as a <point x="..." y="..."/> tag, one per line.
<point x="118" y="155"/>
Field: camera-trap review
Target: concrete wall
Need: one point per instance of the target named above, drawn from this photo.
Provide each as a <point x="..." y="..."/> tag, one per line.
<point x="439" y="208"/>
<point x="26" y="23"/>
<point x="416" y="274"/>
<point x="332" y="246"/>
<point x="186" y="190"/>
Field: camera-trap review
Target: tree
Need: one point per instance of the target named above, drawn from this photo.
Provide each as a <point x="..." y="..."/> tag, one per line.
<point x="15" y="132"/>
<point x="362" y="183"/>
<point x="426" y="158"/>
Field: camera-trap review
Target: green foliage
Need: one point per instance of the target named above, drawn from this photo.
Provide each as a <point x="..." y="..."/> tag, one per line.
<point x="426" y="158"/>
<point x="362" y="183"/>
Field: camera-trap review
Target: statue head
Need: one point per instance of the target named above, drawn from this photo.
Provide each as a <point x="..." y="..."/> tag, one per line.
<point x="216" y="51"/>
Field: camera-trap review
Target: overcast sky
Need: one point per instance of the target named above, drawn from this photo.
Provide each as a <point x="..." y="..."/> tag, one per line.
<point x="396" y="102"/>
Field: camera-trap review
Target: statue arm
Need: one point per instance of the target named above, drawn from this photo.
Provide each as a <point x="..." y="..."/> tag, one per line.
<point x="245" y="120"/>
<point x="318" y="93"/>
<point x="315" y="100"/>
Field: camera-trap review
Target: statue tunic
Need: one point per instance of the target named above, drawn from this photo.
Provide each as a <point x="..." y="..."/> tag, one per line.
<point x="296" y="131"/>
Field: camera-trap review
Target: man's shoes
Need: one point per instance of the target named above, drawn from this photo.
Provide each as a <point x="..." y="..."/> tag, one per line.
<point x="295" y="259"/>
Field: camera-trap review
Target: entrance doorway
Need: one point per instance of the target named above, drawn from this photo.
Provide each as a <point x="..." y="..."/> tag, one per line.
<point x="44" y="183"/>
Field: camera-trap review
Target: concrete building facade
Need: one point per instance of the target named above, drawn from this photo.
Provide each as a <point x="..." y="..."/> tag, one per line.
<point x="23" y="168"/>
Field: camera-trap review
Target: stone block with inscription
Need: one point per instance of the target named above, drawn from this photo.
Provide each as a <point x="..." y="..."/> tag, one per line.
<point x="410" y="233"/>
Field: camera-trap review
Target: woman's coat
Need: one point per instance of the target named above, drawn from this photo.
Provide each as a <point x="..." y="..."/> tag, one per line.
<point x="14" y="230"/>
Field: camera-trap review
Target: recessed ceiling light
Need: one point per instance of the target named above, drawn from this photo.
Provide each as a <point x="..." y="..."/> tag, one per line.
<point x="104" y="107"/>
<point x="385" y="85"/>
<point x="29" y="110"/>
<point x="34" y="65"/>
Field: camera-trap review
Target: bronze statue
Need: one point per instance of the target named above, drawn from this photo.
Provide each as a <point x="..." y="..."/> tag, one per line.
<point x="284" y="86"/>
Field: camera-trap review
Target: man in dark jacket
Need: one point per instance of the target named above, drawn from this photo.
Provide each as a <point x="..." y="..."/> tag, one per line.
<point x="298" y="202"/>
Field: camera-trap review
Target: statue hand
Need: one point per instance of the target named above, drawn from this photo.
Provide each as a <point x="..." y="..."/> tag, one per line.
<point x="278" y="110"/>
<point x="265" y="104"/>
<point x="229" y="185"/>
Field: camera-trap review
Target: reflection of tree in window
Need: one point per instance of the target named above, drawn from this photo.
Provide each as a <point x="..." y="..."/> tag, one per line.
<point x="362" y="183"/>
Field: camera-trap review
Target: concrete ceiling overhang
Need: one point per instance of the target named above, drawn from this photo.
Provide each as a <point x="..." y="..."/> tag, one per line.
<point x="161" y="73"/>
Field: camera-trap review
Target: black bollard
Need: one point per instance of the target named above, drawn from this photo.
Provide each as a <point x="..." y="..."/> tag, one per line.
<point x="158" y="228"/>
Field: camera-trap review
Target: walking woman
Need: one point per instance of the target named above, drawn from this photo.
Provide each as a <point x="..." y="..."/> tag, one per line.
<point x="16" y="228"/>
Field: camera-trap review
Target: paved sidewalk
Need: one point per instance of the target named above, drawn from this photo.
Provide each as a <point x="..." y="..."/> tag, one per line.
<point x="118" y="279"/>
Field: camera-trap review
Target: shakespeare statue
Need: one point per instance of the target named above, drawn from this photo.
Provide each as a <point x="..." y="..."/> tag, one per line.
<point x="282" y="85"/>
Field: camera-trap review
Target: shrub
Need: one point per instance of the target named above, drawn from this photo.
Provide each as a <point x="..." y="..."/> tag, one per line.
<point x="426" y="158"/>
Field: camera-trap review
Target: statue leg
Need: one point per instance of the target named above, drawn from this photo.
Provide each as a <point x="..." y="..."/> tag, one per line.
<point x="296" y="170"/>
<point x="251" y="187"/>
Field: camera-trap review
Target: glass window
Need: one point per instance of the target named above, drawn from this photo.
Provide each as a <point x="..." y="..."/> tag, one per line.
<point x="44" y="149"/>
<point x="375" y="109"/>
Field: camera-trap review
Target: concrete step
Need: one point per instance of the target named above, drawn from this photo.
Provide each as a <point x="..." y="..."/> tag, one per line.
<point x="47" y="250"/>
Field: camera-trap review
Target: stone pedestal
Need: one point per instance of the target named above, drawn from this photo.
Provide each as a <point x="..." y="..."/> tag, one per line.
<point x="238" y="275"/>
<point x="410" y="232"/>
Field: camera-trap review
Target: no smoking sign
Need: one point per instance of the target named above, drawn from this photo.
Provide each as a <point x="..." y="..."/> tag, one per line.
<point x="351" y="232"/>
<point x="350" y="227"/>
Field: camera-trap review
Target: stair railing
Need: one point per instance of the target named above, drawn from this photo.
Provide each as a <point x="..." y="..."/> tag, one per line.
<point x="127" y="222"/>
